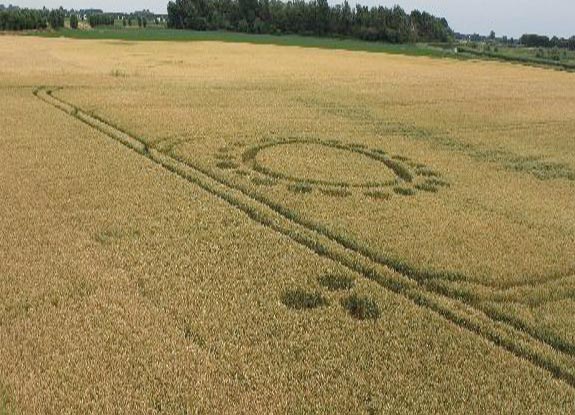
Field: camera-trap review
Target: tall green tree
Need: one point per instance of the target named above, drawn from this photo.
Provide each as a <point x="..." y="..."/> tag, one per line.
<point x="74" y="21"/>
<point x="322" y="17"/>
<point x="56" y="18"/>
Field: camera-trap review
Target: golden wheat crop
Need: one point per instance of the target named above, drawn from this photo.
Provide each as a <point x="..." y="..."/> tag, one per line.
<point x="160" y="280"/>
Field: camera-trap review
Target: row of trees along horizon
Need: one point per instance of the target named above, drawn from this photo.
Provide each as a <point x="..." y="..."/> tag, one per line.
<point x="314" y="17"/>
<point x="13" y="18"/>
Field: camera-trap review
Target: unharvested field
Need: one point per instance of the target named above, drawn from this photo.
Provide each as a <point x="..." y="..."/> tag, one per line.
<point x="152" y="33"/>
<point x="197" y="227"/>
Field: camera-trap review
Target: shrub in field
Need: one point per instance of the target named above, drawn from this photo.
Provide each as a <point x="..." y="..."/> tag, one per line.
<point x="361" y="307"/>
<point x="300" y="299"/>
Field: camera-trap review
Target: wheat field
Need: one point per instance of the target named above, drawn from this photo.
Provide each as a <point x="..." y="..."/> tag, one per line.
<point x="202" y="227"/>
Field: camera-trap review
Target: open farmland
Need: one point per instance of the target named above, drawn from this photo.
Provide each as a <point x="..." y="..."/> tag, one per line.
<point x="211" y="227"/>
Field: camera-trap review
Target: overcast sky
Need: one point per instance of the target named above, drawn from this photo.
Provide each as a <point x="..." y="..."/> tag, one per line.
<point x="510" y="17"/>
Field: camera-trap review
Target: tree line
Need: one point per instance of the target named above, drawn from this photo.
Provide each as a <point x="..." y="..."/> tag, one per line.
<point x="107" y="19"/>
<point x="315" y="17"/>
<point x="101" y="19"/>
<point x="15" y="18"/>
<point x="539" y="41"/>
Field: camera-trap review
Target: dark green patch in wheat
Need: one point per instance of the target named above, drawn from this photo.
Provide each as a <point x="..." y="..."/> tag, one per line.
<point x="300" y="299"/>
<point x="361" y="307"/>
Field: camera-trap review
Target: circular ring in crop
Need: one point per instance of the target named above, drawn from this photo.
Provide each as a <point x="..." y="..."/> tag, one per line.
<point x="326" y="163"/>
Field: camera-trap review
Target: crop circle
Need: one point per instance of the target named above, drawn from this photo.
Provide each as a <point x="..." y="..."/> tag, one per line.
<point x="325" y="163"/>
